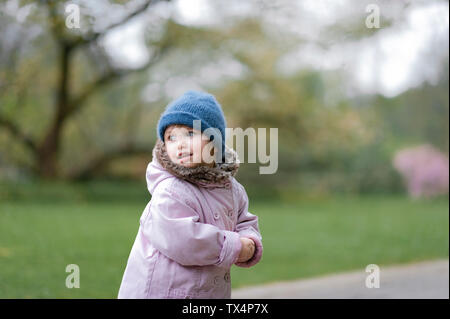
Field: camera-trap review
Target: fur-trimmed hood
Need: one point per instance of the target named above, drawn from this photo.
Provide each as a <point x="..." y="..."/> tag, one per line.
<point x="204" y="176"/>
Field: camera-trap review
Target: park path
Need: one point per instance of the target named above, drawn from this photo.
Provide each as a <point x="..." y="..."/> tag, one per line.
<point x="428" y="279"/>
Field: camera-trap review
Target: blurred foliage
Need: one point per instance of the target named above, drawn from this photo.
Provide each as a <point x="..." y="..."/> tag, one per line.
<point x="342" y="145"/>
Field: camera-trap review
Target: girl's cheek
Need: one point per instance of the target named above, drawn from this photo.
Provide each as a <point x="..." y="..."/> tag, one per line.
<point x="197" y="153"/>
<point x="196" y="145"/>
<point x="207" y="149"/>
<point x="171" y="151"/>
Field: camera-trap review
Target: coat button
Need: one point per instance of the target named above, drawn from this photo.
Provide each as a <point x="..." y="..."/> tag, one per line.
<point x="216" y="216"/>
<point x="230" y="213"/>
<point x="227" y="277"/>
<point x="216" y="280"/>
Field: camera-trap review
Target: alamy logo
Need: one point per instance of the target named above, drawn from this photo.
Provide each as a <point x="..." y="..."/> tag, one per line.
<point x="254" y="139"/>
<point x="73" y="16"/>
<point x="373" y="19"/>
<point x="373" y="279"/>
<point x="73" y="280"/>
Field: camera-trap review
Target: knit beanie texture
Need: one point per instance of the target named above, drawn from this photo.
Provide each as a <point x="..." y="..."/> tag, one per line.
<point x="195" y="105"/>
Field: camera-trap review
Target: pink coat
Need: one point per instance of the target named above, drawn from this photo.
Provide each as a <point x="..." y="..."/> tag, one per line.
<point x="188" y="239"/>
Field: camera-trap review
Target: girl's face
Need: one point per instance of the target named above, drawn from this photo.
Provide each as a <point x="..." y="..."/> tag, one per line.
<point x="188" y="147"/>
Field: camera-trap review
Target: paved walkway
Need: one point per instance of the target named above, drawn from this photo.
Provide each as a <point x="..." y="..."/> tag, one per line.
<point x="412" y="281"/>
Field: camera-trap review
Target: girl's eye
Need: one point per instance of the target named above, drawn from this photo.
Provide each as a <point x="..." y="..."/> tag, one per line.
<point x="191" y="133"/>
<point x="171" y="138"/>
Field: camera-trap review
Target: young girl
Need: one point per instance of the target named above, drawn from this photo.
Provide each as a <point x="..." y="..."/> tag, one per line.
<point x="197" y="224"/>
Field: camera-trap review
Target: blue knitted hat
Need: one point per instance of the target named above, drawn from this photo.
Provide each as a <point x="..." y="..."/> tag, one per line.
<point x="194" y="105"/>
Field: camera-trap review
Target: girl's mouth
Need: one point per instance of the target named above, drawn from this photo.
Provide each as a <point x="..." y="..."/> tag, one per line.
<point x="184" y="156"/>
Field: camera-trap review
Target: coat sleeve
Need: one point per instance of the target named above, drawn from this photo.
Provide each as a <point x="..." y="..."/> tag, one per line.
<point x="247" y="226"/>
<point x="174" y="229"/>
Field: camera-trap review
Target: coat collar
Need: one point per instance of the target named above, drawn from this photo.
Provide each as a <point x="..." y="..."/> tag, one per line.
<point x="204" y="176"/>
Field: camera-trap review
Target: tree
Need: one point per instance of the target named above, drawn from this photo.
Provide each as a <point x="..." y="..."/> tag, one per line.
<point x="45" y="150"/>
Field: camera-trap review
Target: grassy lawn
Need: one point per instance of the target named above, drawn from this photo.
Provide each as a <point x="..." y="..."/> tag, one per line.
<point x="38" y="239"/>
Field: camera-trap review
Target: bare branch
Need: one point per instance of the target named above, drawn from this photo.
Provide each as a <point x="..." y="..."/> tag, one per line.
<point x="77" y="103"/>
<point x="14" y="130"/>
<point x="103" y="159"/>
<point x="80" y="41"/>
<point x="56" y="23"/>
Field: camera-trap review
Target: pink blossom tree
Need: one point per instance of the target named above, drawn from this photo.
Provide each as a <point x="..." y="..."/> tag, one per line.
<point x="424" y="169"/>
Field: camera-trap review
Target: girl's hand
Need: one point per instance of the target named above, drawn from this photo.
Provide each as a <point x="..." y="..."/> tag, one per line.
<point x="247" y="251"/>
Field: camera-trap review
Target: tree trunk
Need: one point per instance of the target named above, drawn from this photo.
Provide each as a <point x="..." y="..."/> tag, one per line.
<point x="47" y="155"/>
<point x="48" y="150"/>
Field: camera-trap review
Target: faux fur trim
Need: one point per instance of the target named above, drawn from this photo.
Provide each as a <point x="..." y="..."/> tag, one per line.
<point x="204" y="176"/>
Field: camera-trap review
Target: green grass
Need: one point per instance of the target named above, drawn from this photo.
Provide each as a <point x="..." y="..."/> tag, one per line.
<point x="38" y="239"/>
<point x="313" y="238"/>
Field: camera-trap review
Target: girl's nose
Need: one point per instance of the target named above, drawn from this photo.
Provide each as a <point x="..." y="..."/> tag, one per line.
<point x="182" y="144"/>
<point x="179" y="151"/>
